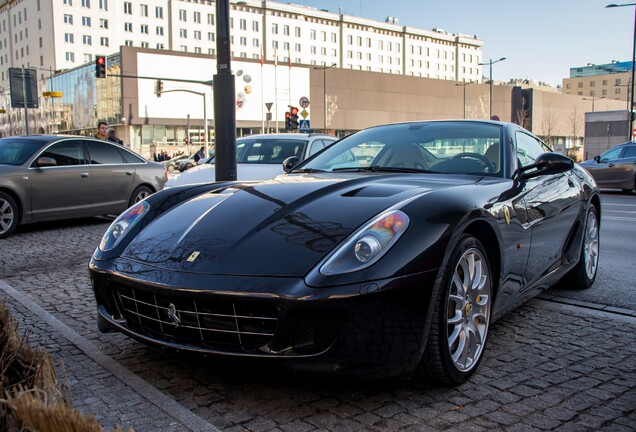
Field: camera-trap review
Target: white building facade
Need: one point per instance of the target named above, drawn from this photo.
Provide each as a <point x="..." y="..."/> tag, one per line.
<point x="53" y="35"/>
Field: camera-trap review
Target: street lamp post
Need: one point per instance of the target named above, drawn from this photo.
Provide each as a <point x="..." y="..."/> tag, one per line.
<point x="490" y="63"/>
<point x="464" y="84"/>
<point x="324" y="89"/>
<point x="631" y="100"/>
<point x="593" y="99"/>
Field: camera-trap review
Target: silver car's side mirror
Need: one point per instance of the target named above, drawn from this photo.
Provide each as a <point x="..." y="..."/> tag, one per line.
<point x="290" y="163"/>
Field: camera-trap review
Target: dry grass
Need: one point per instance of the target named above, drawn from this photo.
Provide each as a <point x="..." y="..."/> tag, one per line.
<point x="33" y="397"/>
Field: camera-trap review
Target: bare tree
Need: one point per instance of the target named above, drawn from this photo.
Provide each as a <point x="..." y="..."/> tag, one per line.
<point x="576" y="124"/>
<point x="549" y="126"/>
<point x="522" y="118"/>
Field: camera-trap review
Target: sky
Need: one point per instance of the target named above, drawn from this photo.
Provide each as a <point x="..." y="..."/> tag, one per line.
<point x="541" y="39"/>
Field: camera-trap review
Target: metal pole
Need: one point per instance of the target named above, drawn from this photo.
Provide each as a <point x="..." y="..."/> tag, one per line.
<point x="205" y="127"/>
<point x="24" y="94"/>
<point x="490" y="114"/>
<point x="631" y="101"/>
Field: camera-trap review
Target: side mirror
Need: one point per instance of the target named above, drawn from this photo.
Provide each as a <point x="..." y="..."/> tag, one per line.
<point x="597" y="159"/>
<point x="290" y="163"/>
<point x="45" y="162"/>
<point x="547" y="164"/>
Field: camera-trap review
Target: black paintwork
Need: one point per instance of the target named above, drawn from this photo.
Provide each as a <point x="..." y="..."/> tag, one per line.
<point x="260" y="245"/>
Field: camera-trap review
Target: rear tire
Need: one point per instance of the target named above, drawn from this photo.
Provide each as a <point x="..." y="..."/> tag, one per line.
<point x="139" y="194"/>
<point x="9" y="215"/>
<point x="461" y="315"/>
<point x="583" y="275"/>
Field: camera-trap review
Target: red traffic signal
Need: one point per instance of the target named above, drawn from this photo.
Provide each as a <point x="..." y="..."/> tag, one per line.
<point x="100" y="67"/>
<point x="293" y="118"/>
<point x="287" y="121"/>
<point x="294" y="111"/>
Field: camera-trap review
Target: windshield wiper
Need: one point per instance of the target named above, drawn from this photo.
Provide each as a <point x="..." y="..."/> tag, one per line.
<point x="376" y="168"/>
<point x="306" y="170"/>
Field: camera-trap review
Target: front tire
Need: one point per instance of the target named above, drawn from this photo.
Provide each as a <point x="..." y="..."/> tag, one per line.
<point x="139" y="194"/>
<point x="9" y="215"/>
<point x="461" y="315"/>
<point x="583" y="275"/>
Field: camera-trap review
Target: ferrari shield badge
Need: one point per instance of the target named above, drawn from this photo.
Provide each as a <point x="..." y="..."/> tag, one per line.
<point x="193" y="256"/>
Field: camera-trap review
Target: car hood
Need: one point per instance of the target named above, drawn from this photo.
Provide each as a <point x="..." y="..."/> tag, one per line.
<point x="279" y="227"/>
<point x="206" y="173"/>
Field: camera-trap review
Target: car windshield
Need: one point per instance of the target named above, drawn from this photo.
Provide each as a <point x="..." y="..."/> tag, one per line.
<point x="16" y="151"/>
<point x="268" y="150"/>
<point x="439" y="147"/>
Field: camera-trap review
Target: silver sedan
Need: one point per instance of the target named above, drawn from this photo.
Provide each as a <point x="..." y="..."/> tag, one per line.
<point x="50" y="177"/>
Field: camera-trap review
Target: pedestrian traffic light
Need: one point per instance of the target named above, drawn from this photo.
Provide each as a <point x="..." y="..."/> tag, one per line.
<point x="288" y="124"/>
<point x="158" y="88"/>
<point x="100" y="67"/>
<point x="293" y="118"/>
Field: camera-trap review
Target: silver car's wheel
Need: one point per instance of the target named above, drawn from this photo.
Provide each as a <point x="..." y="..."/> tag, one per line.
<point x="461" y="315"/>
<point x="8" y="215"/>
<point x="142" y="192"/>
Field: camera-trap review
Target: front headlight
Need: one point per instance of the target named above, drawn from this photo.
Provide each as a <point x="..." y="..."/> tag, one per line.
<point x="368" y="244"/>
<point x="123" y="224"/>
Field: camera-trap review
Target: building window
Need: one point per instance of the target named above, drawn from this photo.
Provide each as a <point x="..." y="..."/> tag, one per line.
<point x="144" y="28"/>
<point x="243" y="24"/>
<point x="182" y="15"/>
<point x="128" y="8"/>
<point x="604" y="92"/>
<point x="275" y="44"/>
<point x="144" y="10"/>
<point x="183" y="48"/>
<point x="197" y="35"/>
<point x="297" y="31"/>
<point x="617" y="91"/>
<point x="197" y="50"/>
<point x="159" y="31"/>
<point x="68" y="19"/>
<point x="312" y="34"/>
<point x="197" y="17"/>
<point x="128" y="27"/>
<point x="183" y="33"/>
<point x="286" y="30"/>
<point x="255" y="26"/>
<point x="618" y="82"/>
<point x="145" y="45"/>
<point x="103" y="23"/>
<point x="592" y="93"/>
<point x="86" y="21"/>
<point x="159" y="12"/>
<point x="567" y="86"/>
<point x="68" y="2"/>
<point x="103" y="41"/>
<point x="160" y="46"/>
<point x="68" y="38"/>
<point x="87" y="40"/>
<point x="256" y="43"/>
<point x="274" y="28"/>
<point x="592" y="83"/>
<point x="210" y="36"/>
<point x="243" y="41"/>
<point x="211" y="51"/>
<point x="210" y="19"/>
<point x="128" y="42"/>
<point x="580" y="85"/>
<point x="103" y="5"/>
<point x="70" y="57"/>
<point x="86" y="3"/>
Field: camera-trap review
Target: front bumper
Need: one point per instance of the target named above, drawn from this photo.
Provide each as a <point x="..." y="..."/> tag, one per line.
<point x="368" y="329"/>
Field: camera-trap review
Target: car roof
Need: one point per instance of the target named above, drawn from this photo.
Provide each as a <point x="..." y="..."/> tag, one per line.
<point x="287" y="136"/>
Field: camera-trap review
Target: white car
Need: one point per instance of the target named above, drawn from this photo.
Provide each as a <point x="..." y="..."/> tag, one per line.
<point x="259" y="157"/>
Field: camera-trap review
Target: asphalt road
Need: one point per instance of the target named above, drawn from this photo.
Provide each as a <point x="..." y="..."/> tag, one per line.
<point x="616" y="279"/>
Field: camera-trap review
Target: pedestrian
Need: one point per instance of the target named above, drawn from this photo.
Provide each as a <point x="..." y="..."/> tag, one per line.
<point x="200" y="154"/>
<point x="102" y="130"/>
<point x="112" y="136"/>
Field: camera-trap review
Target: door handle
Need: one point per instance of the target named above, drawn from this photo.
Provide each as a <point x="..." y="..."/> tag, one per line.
<point x="570" y="182"/>
<point x="84" y="175"/>
<point x="611" y="165"/>
<point x="129" y="173"/>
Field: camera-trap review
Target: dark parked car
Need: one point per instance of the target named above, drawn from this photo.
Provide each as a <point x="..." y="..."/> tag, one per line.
<point x="387" y="254"/>
<point x="615" y="168"/>
<point x="49" y="177"/>
<point x="171" y="165"/>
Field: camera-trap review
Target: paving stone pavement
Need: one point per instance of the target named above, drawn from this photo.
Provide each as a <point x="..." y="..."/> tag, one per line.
<point x="548" y="366"/>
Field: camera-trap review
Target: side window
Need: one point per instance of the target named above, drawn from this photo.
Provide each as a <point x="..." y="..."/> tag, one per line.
<point x="528" y="149"/>
<point x="102" y="153"/>
<point x="614" y="153"/>
<point x="66" y="153"/>
<point x="630" y="152"/>
<point x="316" y="146"/>
<point x="130" y="158"/>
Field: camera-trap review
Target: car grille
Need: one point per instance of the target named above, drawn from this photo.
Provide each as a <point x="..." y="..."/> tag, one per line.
<point x="200" y="322"/>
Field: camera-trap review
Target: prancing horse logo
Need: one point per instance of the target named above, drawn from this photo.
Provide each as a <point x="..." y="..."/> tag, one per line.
<point x="174" y="315"/>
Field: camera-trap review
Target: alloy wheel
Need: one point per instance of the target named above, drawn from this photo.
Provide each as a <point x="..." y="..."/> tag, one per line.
<point x="6" y="215"/>
<point x="468" y="310"/>
<point x="591" y="245"/>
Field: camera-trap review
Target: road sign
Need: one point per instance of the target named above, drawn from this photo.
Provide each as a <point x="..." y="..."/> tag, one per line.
<point x="304" y="102"/>
<point x="268" y="105"/>
<point x="304" y="113"/>
<point x="304" y="126"/>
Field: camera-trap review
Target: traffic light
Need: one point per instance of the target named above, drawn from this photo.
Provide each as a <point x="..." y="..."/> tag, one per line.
<point x="288" y="124"/>
<point x="158" y="88"/>
<point x="293" y="118"/>
<point x="100" y="67"/>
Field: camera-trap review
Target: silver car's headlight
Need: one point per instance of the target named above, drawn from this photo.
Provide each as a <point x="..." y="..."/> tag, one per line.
<point x="123" y="224"/>
<point x="368" y="244"/>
